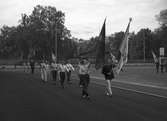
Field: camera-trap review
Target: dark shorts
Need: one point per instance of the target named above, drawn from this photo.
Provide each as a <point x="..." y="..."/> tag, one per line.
<point x="109" y="77"/>
<point x="84" y="78"/>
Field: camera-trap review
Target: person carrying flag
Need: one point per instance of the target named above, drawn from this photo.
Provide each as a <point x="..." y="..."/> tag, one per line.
<point x="84" y="77"/>
<point x="156" y="61"/>
<point x="108" y="73"/>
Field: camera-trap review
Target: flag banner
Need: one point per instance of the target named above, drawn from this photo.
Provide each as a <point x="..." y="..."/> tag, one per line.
<point x="53" y="57"/>
<point x="124" y="49"/>
<point x="100" y="48"/>
<point x="113" y="58"/>
<point x="154" y="56"/>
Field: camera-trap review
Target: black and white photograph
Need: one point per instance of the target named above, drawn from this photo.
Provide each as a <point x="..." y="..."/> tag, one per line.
<point x="83" y="60"/>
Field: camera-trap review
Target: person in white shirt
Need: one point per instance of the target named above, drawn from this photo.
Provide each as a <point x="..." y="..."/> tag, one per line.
<point x="62" y="70"/>
<point x="84" y="66"/>
<point x="69" y="68"/>
<point x="45" y="69"/>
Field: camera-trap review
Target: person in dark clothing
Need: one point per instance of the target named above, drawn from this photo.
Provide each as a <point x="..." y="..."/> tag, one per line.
<point x="162" y="68"/>
<point x="108" y="73"/>
<point x="32" y="65"/>
<point x="166" y="66"/>
<point x="157" y="66"/>
<point x="162" y="64"/>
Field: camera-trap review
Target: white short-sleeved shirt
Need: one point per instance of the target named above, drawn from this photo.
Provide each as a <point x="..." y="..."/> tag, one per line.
<point x="62" y="68"/>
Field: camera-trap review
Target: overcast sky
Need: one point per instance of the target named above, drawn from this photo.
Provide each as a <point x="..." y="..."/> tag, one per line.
<point x="85" y="17"/>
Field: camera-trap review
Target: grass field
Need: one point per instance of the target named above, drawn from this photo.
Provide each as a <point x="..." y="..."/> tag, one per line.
<point x="134" y="74"/>
<point x="139" y="74"/>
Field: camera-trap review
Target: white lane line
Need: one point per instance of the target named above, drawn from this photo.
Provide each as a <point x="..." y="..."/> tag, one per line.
<point x="133" y="83"/>
<point x="147" y="93"/>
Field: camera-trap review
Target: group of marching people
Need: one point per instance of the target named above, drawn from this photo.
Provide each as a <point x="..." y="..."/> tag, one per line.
<point x="62" y="71"/>
<point x="56" y="71"/>
<point x="84" y="75"/>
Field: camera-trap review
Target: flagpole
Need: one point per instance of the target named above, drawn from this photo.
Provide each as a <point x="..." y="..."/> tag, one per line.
<point x="124" y="49"/>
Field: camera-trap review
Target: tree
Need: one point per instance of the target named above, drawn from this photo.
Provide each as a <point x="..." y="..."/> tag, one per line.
<point x="160" y="33"/>
<point x="8" y="41"/>
<point x="162" y="17"/>
<point x="36" y="34"/>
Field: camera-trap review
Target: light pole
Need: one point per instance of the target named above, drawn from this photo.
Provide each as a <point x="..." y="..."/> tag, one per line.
<point x="144" y="53"/>
<point x="56" y="40"/>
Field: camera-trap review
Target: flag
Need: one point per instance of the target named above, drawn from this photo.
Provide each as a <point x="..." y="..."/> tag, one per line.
<point x="124" y="49"/>
<point x="100" y="48"/>
<point x="53" y="57"/>
<point x="113" y="58"/>
<point x="154" y="56"/>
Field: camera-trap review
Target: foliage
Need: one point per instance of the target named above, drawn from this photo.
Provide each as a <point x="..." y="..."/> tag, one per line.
<point x="35" y="35"/>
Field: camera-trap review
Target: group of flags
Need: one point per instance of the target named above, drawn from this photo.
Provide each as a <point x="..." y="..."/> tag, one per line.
<point x="100" y="49"/>
<point x="101" y="52"/>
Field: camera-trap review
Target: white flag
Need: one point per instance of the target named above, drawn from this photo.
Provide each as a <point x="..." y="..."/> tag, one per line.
<point x="124" y="49"/>
<point x="53" y="57"/>
<point x="154" y="56"/>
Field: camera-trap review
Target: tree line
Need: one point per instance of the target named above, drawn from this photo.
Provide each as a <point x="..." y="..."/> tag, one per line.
<point x="36" y="34"/>
<point x="140" y="44"/>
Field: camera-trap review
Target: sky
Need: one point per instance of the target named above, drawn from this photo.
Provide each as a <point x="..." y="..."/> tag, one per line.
<point x="84" y="18"/>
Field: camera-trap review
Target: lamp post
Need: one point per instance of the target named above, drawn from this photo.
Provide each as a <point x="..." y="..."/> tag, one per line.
<point x="56" y="40"/>
<point x="144" y="53"/>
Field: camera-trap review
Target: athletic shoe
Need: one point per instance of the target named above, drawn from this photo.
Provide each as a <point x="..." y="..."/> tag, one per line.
<point x="80" y="86"/>
<point x="108" y="94"/>
<point x="83" y="96"/>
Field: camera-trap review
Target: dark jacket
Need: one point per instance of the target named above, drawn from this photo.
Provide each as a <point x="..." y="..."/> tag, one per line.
<point x="107" y="70"/>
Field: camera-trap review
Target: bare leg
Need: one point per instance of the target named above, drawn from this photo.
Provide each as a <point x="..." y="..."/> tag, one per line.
<point x="109" y="90"/>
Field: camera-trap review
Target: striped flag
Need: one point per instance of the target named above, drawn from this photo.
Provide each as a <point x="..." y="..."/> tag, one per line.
<point x="124" y="49"/>
<point x="154" y="56"/>
<point x="100" y="48"/>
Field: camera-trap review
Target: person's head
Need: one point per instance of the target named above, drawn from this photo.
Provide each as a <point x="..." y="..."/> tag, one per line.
<point x="85" y="61"/>
<point x="82" y="62"/>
